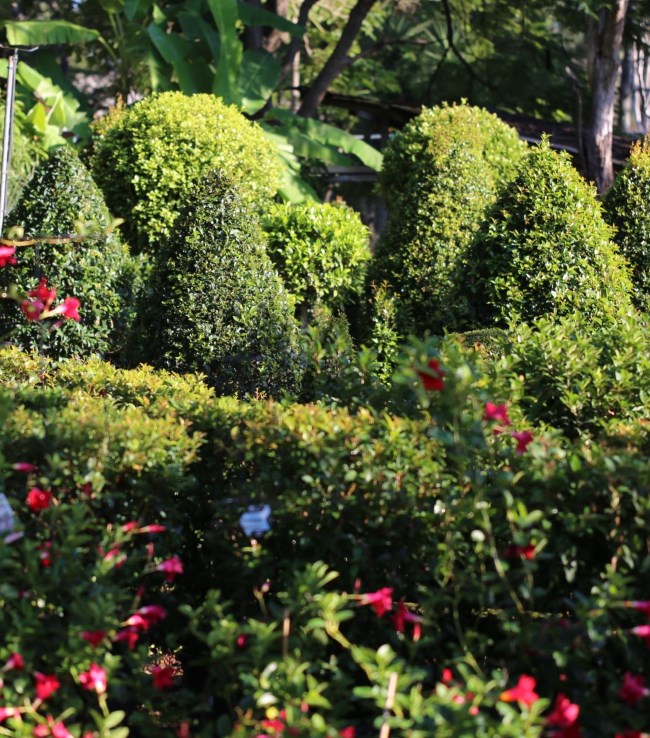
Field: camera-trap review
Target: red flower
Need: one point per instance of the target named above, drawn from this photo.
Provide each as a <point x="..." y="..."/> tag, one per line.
<point x="523" y="438"/>
<point x="69" y="308"/>
<point x="43" y="292"/>
<point x="403" y="616"/>
<point x="447" y="676"/>
<point x="163" y="677"/>
<point x="496" y="412"/>
<point x="7" y="255"/>
<point x="94" y="679"/>
<point x="242" y="640"/>
<point x="633" y="689"/>
<point x="128" y="527"/>
<point x="130" y="635"/>
<point x="39" y="499"/>
<point x="15" y="661"/>
<point x="32" y="309"/>
<point x="525" y="552"/>
<point x="172" y="568"/>
<point x="565" y="717"/>
<point x="46" y="685"/>
<point x="523" y="692"/>
<point x="147" y="616"/>
<point x="23" y="466"/>
<point x="52" y="728"/>
<point x="152" y="529"/>
<point x="431" y="377"/>
<point x="643" y="631"/>
<point x="45" y="554"/>
<point x="7" y="712"/>
<point x="349" y="732"/>
<point x="642" y="605"/>
<point x="381" y="600"/>
<point x="630" y="734"/>
<point x="94" y="637"/>
<point x="116" y="554"/>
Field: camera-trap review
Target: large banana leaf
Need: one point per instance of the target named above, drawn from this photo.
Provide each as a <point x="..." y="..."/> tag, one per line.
<point x="171" y="46"/>
<point x="325" y="135"/>
<point x="254" y="15"/>
<point x="136" y="8"/>
<point x="231" y="51"/>
<point x="45" y="33"/>
<point x="258" y="77"/>
<point x="292" y="188"/>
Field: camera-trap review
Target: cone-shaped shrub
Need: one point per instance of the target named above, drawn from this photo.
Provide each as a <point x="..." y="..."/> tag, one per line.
<point x="440" y="175"/>
<point x="627" y="208"/>
<point x="215" y="305"/>
<point x="546" y="249"/>
<point x="147" y="159"/>
<point x="62" y="200"/>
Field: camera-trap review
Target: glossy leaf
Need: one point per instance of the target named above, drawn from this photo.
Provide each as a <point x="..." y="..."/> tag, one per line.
<point x="258" y="77"/>
<point x="225" y="15"/>
<point x="252" y="15"/>
<point x="45" y="33"/>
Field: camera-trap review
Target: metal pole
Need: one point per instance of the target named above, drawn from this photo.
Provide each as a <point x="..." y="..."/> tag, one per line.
<point x="7" y="138"/>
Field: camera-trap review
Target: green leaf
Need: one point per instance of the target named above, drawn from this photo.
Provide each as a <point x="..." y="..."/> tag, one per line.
<point x="114" y="719"/>
<point x="225" y="15"/>
<point x="44" y="33"/>
<point x="170" y="46"/>
<point x="292" y="188"/>
<point x="194" y="27"/>
<point x="136" y="8"/>
<point x="194" y="77"/>
<point x="258" y="77"/>
<point x="253" y="15"/>
<point x="112" y="6"/>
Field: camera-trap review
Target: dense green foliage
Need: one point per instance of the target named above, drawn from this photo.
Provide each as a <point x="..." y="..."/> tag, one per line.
<point x="147" y="158"/>
<point x="214" y="303"/>
<point x="440" y="174"/>
<point x="63" y="200"/>
<point x="627" y="209"/>
<point x="320" y="250"/>
<point x="545" y="248"/>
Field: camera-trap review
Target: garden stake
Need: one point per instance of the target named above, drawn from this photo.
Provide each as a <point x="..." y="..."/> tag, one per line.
<point x="7" y="135"/>
<point x="286" y="629"/>
<point x="388" y="706"/>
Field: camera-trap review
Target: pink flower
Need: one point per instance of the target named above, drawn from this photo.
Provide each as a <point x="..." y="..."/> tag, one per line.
<point x="496" y="412"/>
<point x="32" y="309"/>
<point x="94" y="679"/>
<point x="116" y="554"/>
<point x="565" y="713"/>
<point x="130" y="635"/>
<point x="46" y="685"/>
<point x="523" y="692"/>
<point x="7" y="712"/>
<point x="515" y="552"/>
<point x="39" y="499"/>
<point x="147" y="616"/>
<point x="163" y="677"/>
<point x="523" y="438"/>
<point x="69" y="309"/>
<point x="7" y="255"/>
<point x="94" y="637"/>
<point x="128" y="527"/>
<point x="45" y="554"/>
<point x="403" y="616"/>
<point x="172" y="567"/>
<point x="432" y="377"/>
<point x="349" y="732"/>
<point x="633" y="689"/>
<point x="23" y="466"/>
<point x="43" y="292"/>
<point x="643" y="631"/>
<point x="447" y="676"/>
<point x="15" y="661"/>
<point x="152" y="529"/>
<point x="381" y="600"/>
<point x="242" y="640"/>
<point x="642" y="605"/>
<point x="53" y="728"/>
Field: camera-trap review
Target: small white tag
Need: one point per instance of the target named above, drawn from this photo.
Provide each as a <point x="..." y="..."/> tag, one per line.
<point x="256" y="520"/>
<point x="6" y="515"/>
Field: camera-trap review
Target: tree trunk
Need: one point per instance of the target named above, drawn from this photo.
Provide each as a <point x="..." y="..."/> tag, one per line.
<point x="605" y="68"/>
<point x="338" y="60"/>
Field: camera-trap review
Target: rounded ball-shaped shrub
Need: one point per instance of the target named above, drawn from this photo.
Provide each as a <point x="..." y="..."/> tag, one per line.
<point x="215" y="305"/>
<point x="545" y="248"/>
<point x="62" y="200"/>
<point x="148" y="157"/>
<point x="440" y="175"/>
<point x="321" y="251"/>
<point x="627" y="208"/>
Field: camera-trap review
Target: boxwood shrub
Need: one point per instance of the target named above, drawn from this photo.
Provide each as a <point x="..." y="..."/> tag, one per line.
<point x="148" y="157"/>
<point x="440" y="174"/>
<point x="215" y="305"/>
<point x="627" y="209"/>
<point x="63" y="200"/>
<point x="545" y="248"/>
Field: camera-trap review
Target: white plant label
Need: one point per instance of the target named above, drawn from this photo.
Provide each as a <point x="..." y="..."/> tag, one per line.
<point x="6" y="515"/>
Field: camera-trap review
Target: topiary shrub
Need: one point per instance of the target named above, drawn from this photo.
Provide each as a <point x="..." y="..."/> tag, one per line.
<point x="440" y="175"/>
<point x="61" y="200"/>
<point x="627" y="208"/>
<point x="215" y="305"/>
<point x="546" y="249"/>
<point x="320" y="250"/>
<point x="148" y="157"/>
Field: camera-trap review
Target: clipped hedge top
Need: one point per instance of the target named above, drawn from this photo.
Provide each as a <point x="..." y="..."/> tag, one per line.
<point x="148" y="157"/>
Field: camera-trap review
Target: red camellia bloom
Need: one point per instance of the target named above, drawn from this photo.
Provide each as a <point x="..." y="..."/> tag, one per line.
<point x="15" y="661"/>
<point x="633" y="689"/>
<point x="39" y="499"/>
<point x="43" y="292"/>
<point x="172" y="567"/>
<point x="7" y="255"/>
<point x="496" y="412"/>
<point x="163" y="677"/>
<point x="94" y="679"/>
<point x="432" y="379"/>
<point x="523" y="438"/>
<point x="94" y="637"/>
<point x="381" y="600"/>
<point x="523" y="692"/>
<point x="46" y="684"/>
<point x="564" y="719"/>
<point x="32" y="309"/>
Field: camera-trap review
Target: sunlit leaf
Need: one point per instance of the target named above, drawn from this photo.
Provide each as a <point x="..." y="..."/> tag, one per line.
<point x="258" y="77"/>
